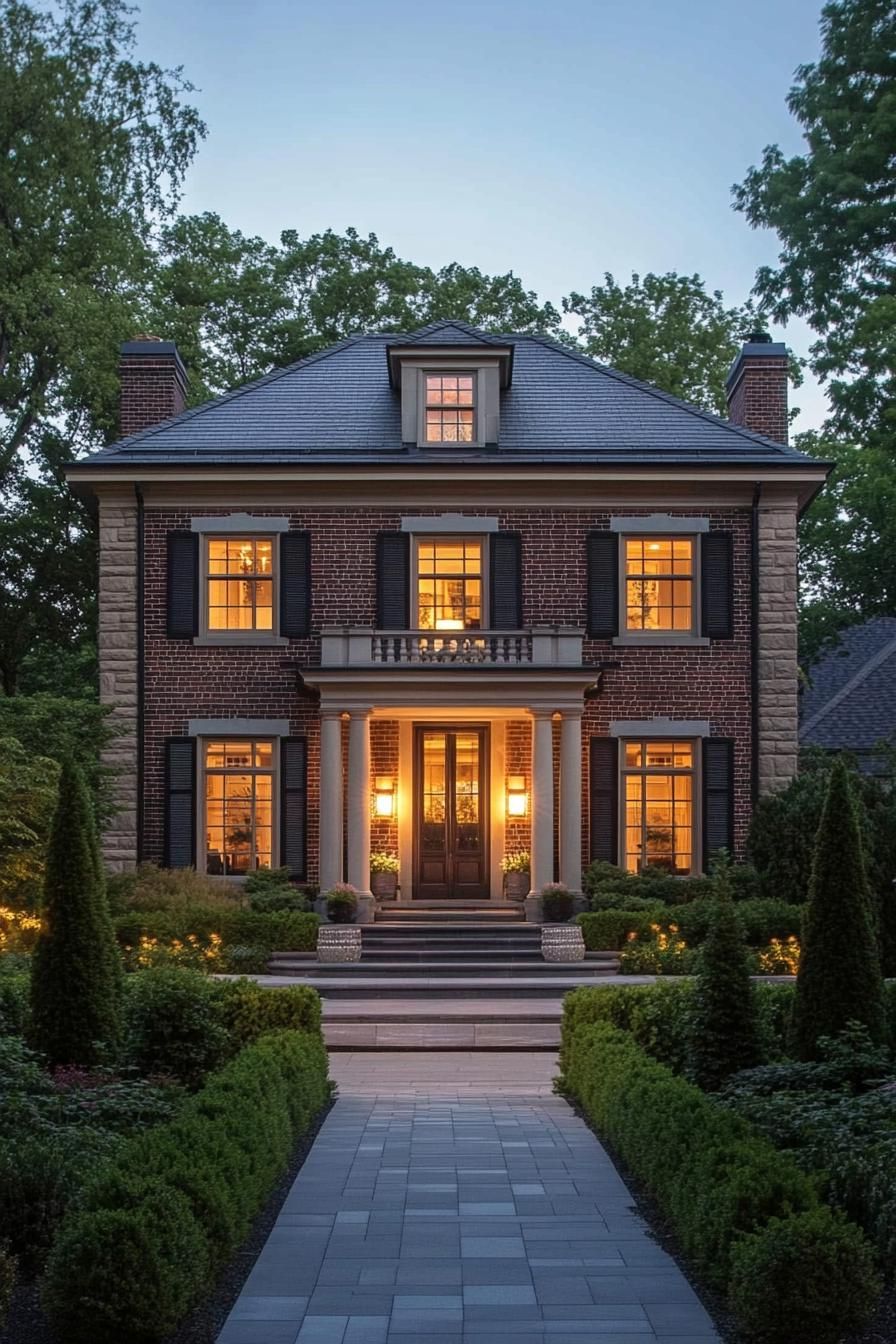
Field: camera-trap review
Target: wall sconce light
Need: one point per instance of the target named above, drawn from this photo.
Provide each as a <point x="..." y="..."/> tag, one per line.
<point x="517" y="797"/>
<point x="384" y="796"/>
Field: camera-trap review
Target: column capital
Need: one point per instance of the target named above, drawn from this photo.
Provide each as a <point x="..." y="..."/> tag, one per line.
<point x="330" y="713"/>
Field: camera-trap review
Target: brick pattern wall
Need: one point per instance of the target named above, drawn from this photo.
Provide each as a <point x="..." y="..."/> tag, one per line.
<point x="152" y="389"/>
<point x="384" y="761"/>
<point x="518" y="761"/>
<point x="758" y="400"/>
<point x="777" y="639"/>
<point x="184" y="681"/>
<point x="118" y="671"/>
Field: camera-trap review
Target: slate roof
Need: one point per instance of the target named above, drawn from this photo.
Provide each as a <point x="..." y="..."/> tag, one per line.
<point x="850" y="703"/>
<point x="337" y="405"/>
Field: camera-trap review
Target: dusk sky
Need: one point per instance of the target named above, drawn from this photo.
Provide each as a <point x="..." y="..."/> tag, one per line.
<point x="558" y="141"/>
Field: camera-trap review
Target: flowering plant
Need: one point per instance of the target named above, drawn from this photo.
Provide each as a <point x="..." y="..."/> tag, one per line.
<point x="192" y="951"/>
<point x="382" y="862"/>
<point x="19" y="931"/>
<point x="656" y="951"/>
<point x="781" y="957"/>
<point x="516" y="863"/>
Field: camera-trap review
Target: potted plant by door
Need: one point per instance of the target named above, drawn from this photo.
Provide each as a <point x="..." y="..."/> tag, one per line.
<point x="383" y="875"/>
<point x="515" y="868"/>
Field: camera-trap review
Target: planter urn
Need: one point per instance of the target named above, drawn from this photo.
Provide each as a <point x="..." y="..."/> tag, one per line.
<point x="338" y="943"/>
<point x="516" y="886"/>
<point x="562" y="942"/>
<point x="384" y="885"/>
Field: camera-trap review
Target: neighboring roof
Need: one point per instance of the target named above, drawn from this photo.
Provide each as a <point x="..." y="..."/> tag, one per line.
<point x="337" y="405"/>
<point x="850" y="703"/>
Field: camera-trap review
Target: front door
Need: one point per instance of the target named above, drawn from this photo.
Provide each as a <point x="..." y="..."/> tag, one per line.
<point x="451" y="814"/>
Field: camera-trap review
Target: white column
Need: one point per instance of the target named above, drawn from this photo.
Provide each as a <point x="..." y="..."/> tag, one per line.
<point x="358" y="801"/>
<point x="330" y="823"/>
<point x="542" y="848"/>
<point x="571" y="801"/>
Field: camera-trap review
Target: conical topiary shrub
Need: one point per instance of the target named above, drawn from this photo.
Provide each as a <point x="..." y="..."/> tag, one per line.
<point x="723" y="1035"/>
<point x="839" y="979"/>
<point x="76" y="970"/>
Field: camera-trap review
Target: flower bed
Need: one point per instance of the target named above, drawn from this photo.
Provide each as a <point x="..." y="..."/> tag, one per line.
<point x="213" y="937"/>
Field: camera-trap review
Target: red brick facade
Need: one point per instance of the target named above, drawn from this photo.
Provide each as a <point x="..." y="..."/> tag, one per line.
<point x="757" y="398"/>
<point x="153" y="385"/>
<point x="184" y="681"/>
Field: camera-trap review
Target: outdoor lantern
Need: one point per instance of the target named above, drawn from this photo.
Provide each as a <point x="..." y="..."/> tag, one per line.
<point x="384" y="792"/>
<point x="517" y="798"/>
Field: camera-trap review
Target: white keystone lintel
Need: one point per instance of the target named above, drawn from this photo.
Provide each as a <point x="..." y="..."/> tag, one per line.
<point x="660" y="728"/>
<point x="659" y="523"/>
<point x="238" y="728"/>
<point x="449" y="523"/>
<point x="239" y="523"/>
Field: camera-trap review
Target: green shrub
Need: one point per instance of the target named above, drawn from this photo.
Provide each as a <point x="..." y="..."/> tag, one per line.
<point x="761" y="920"/>
<point x="76" y="968"/>
<point x="720" y="1185"/>
<point x="143" y="1248"/>
<point x="808" y="1279"/>
<point x="15" y="993"/>
<point x="270" y="889"/>
<point x="723" y="1028"/>
<point x="173" y="1024"/>
<point x="282" y="930"/>
<point x="240" y="960"/>
<point x="127" y="1273"/>
<point x="608" y="930"/>
<point x="151" y="888"/>
<point x="342" y="904"/>
<point x="657" y="951"/>
<point x="839" y="978"/>
<point x="556" y="903"/>
<point x="7" y="1283"/>
<point x="250" y="1010"/>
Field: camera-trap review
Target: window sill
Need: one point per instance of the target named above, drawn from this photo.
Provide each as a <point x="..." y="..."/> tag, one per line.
<point x="661" y="641"/>
<point x="250" y="640"/>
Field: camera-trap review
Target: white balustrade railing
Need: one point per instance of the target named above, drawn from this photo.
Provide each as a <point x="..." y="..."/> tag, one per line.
<point x="541" y="646"/>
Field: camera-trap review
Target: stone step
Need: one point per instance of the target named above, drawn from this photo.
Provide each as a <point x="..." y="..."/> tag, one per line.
<point x="372" y="985"/>
<point x="411" y="955"/>
<point x="466" y="969"/>
<point x="450" y="912"/>
<point x="416" y="929"/>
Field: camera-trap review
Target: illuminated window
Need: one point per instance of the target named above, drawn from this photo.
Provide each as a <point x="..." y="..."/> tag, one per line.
<point x="450" y="408"/>
<point x="659" y="584"/>
<point x="239" y="791"/>
<point x="658" y="783"/>
<point x="449" y="585"/>
<point x="240" y="583"/>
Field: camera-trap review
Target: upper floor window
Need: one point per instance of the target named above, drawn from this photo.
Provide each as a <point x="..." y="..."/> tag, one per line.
<point x="658" y="793"/>
<point x="449" y="584"/>
<point x="239" y="794"/>
<point x="659" y="584"/>
<point x="450" y="409"/>
<point x="240" y="583"/>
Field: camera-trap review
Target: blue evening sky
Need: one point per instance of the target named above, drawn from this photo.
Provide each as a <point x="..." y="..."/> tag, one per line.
<point x="557" y="140"/>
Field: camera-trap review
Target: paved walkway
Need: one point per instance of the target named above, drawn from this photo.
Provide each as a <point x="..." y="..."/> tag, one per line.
<point x="451" y="1198"/>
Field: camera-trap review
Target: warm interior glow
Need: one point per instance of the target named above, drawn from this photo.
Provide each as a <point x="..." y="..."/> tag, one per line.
<point x="240" y="585"/>
<point x="517" y="797"/>
<point x="238" y="806"/>
<point x="449" y="408"/>
<point x="659" y="592"/>
<point x="384" y="796"/>
<point x="449" y="584"/>
<point x="658" y="785"/>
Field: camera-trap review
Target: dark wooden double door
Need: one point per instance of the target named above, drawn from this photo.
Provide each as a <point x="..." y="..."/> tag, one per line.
<point x="451" y="813"/>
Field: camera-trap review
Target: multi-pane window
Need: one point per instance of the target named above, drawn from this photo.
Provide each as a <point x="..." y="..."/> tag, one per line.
<point x="239" y="792"/>
<point x="449" y="585"/>
<point x="240" y="583"/>
<point x="658" y="793"/>
<point x="659" y="584"/>
<point x="450" y="408"/>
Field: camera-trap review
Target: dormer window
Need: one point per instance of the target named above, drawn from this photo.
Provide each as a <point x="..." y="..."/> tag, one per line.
<point x="450" y="408"/>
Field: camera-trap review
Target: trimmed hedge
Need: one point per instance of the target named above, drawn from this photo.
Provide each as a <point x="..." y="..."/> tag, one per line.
<point x="279" y="930"/>
<point x="760" y="920"/>
<point x="731" y="1197"/>
<point x="155" y="1226"/>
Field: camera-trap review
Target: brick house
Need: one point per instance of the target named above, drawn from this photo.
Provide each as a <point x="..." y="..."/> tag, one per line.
<point x="448" y="595"/>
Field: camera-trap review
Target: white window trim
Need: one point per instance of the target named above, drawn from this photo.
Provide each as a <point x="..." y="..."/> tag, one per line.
<point x="239" y="638"/>
<point x="419" y="537"/>
<point x="683" y="638"/>
<point x="696" y="791"/>
<point x="478" y="441"/>
<point x="235" y="733"/>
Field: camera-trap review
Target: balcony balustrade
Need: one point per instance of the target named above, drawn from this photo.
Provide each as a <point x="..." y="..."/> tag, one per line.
<point x="539" y="646"/>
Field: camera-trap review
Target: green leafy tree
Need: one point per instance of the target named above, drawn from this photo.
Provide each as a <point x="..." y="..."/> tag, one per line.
<point x="95" y="144"/>
<point x="76" y="971"/>
<point x="76" y="729"/>
<point x="839" y="979"/>
<point x="833" y="208"/>
<point x="28" y="791"/>
<point x="723" y="1033"/>
<point x="666" y="330"/>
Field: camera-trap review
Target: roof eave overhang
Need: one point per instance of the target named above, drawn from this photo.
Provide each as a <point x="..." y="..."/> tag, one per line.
<point x="398" y="354"/>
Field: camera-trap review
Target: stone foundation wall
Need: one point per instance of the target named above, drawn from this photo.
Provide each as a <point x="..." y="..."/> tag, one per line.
<point x="118" y="670"/>
<point x="777" y="638"/>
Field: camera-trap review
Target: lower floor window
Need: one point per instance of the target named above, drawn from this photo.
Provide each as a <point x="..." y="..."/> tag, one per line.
<point x="658" y="784"/>
<point x="239" y="792"/>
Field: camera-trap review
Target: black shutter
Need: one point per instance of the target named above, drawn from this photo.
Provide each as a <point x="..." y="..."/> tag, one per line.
<point x="393" y="581"/>
<point x="294" y="805"/>
<point x="603" y="585"/>
<point x="180" y="802"/>
<point x="716" y="585"/>
<point x="183" y="585"/>
<point x="505" y="581"/>
<point x="718" y="796"/>
<point x="604" y="798"/>
<point x="295" y="584"/>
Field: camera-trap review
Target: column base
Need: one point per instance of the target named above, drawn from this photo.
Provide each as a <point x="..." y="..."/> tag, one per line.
<point x="532" y="905"/>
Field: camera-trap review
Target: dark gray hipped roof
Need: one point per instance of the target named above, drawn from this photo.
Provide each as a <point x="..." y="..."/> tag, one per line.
<point x="338" y="406"/>
<point x="850" y="703"/>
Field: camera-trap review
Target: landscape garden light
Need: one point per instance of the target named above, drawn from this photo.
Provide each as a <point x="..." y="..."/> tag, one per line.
<point x="384" y="795"/>
<point x="517" y="797"/>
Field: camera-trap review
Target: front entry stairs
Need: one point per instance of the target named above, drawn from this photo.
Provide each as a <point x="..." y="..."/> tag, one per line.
<point x="435" y="976"/>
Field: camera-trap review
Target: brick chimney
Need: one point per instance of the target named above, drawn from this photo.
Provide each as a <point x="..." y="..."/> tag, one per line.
<point x="153" y="383"/>
<point x="756" y="387"/>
